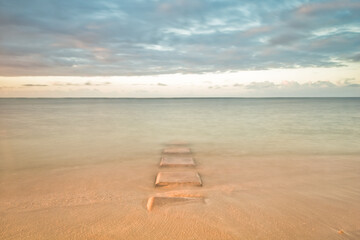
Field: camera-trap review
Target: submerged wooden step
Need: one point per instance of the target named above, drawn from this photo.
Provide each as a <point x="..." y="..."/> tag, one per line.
<point x="177" y="143"/>
<point x="177" y="161"/>
<point x="159" y="201"/>
<point x="177" y="149"/>
<point x="178" y="178"/>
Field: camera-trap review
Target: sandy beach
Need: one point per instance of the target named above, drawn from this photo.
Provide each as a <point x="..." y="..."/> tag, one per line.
<point x="283" y="197"/>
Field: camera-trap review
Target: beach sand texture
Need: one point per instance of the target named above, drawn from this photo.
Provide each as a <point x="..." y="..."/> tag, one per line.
<point x="252" y="198"/>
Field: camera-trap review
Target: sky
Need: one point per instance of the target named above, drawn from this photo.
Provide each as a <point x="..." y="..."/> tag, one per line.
<point x="179" y="48"/>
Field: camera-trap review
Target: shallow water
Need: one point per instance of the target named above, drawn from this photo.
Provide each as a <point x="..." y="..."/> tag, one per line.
<point x="58" y="132"/>
<point x="271" y="168"/>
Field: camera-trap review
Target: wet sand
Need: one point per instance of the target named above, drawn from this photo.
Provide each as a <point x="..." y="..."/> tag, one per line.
<point x="246" y="197"/>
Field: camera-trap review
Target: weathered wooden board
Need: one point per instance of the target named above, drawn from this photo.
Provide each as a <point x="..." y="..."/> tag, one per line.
<point x="177" y="161"/>
<point x="178" y="178"/>
<point x="178" y="150"/>
<point x="160" y="201"/>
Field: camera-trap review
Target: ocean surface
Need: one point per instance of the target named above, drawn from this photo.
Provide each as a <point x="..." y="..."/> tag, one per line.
<point x="271" y="169"/>
<point x="60" y="132"/>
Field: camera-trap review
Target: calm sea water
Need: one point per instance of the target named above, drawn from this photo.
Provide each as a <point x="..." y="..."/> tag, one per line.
<point x="58" y="132"/>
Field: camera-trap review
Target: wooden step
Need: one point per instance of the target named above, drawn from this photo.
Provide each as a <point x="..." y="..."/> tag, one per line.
<point x="160" y="201"/>
<point x="178" y="178"/>
<point x="177" y="161"/>
<point x="177" y="150"/>
<point x="177" y="143"/>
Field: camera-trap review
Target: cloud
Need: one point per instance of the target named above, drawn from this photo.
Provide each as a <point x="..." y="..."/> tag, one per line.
<point x="320" y="84"/>
<point x="292" y="85"/>
<point x="345" y="88"/>
<point x="316" y="8"/>
<point x="215" y="87"/>
<point x="97" y="84"/>
<point x="355" y="57"/>
<point x="286" y="39"/>
<point x="260" y="85"/>
<point x="80" y="84"/>
<point x="34" y="85"/>
<point x="350" y="82"/>
<point x="133" y="38"/>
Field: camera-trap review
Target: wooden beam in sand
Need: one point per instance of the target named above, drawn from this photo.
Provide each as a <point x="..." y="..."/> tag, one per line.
<point x="177" y="143"/>
<point x="177" y="150"/>
<point x="177" y="161"/>
<point x="178" y="178"/>
<point x="159" y="201"/>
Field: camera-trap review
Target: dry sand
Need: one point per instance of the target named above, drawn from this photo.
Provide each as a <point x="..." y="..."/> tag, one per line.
<point x="283" y="197"/>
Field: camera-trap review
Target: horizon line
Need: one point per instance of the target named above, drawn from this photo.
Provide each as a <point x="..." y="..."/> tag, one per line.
<point x="165" y="97"/>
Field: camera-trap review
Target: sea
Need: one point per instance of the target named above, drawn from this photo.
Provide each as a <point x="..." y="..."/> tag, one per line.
<point x="45" y="133"/>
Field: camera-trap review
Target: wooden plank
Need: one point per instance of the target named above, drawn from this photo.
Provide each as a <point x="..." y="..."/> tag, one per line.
<point x="177" y="144"/>
<point x="177" y="161"/>
<point x="160" y="201"/>
<point x="177" y="150"/>
<point x="178" y="178"/>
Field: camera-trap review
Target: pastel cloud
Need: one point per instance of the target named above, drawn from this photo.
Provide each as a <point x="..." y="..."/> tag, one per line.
<point x="139" y="38"/>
